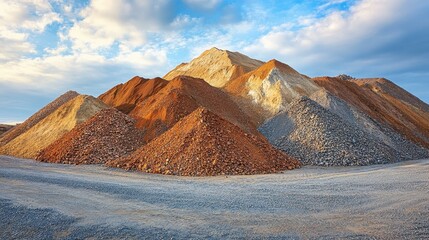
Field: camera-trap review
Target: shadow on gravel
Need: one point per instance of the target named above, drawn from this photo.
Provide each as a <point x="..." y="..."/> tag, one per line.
<point x="17" y="222"/>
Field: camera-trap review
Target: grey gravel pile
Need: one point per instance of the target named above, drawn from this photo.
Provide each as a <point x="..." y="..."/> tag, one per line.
<point x="407" y="149"/>
<point x="316" y="136"/>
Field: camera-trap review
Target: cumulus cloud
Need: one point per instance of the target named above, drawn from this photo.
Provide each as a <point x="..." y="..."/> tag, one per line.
<point x="39" y="80"/>
<point x="57" y="73"/>
<point x="375" y="36"/>
<point x="17" y="20"/>
<point x="104" y="22"/>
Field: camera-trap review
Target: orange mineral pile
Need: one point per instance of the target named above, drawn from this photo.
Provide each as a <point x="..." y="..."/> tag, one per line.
<point x="204" y="144"/>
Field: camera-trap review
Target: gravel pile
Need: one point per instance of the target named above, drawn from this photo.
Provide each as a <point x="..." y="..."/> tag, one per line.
<point x="204" y="144"/>
<point x="35" y="118"/>
<point x="316" y="136"/>
<point x="5" y="127"/>
<point x="126" y="96"/>
<point x="405" y="118"/>
<point x="107" y="135"/>
<point x="52" y="127"/>
<point x="179" y="98"/>
<point x="407" y="150"/>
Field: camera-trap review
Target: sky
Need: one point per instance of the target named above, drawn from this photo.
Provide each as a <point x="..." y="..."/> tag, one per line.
<point x="49" y="47"/>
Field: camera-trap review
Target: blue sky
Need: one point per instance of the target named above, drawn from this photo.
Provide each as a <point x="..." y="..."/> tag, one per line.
<point x="49" y="47"/>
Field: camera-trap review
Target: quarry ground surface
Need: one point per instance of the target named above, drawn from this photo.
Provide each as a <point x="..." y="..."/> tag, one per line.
<point x="45" y="201"/>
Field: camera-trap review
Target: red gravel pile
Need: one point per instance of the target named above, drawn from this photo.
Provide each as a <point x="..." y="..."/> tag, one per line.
<point x="204" y="144"/>
<point x="107" y="135"/>
<point x="180" y="97"/>
<point x="126" y="96"/>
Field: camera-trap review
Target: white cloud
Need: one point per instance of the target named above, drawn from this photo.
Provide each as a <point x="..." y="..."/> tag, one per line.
<point x="33" y="15"/>
<point x="17" y="20"/>
<point x="372" y="36"/>
<point x="54" y="73"/>
<point x="105" y="22"/>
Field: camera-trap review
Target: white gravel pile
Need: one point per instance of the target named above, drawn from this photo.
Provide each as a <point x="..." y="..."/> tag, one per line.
<point x="316" y="136"/>
<point x="407" y="149"/>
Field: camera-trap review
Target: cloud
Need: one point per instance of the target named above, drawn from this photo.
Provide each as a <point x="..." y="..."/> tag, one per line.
<point x="372" y="37"/>
<point x="17" y="20"/>
<point x="38" y="81"/>
<point x="30" y="15"/>
<point x="106" y="22"/>
<point x="60" y="73"/>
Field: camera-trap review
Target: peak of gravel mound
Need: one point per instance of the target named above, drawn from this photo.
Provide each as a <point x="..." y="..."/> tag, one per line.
<point x="216" y="66"/>
<point x="204" y="144"/>
<point x="107" y="135"/>
<point x="269" y="89"/>
<point x="403" y="116"/>
<point x="316" y="136"/>
<point x="180" y="97"/>
<point x="37" y="117"/>
<point x="345" y="77"/>
<point x="406" y="149"/>
<point x="53" y="126"/>
<point x="126" y="96"/>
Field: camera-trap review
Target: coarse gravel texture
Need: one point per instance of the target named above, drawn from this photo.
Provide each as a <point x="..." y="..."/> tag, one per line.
<point x="316" y="136"/>
<point x="407" y="150"/>
<point x="204" y="144"/>
<point x="54" y="201"/>
<point x="107" y="135"/>
<point x="404" y="117"/>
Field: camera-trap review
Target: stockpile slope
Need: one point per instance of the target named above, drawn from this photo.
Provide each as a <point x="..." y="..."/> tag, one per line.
<point x="399" y="119"/>
<point x="126" y="96"/>
<point x="180" y="97"/>
<point x="269" y="89"/>
<point x="216" y="66"/>
<point x="107" y="135"/>
<point x="316" y="136"/>
<point x="53" y="126"/>
<point x="407" y="149"/>
<point x="37" y="117"/>
<point x="5" y="127"/>
<point x="387" y="88"/>
<point x="204" y="144"/>
<point x="411" y="108"/>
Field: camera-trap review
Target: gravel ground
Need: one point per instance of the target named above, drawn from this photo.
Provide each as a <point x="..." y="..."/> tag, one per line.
<point x="50" y="201"/>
